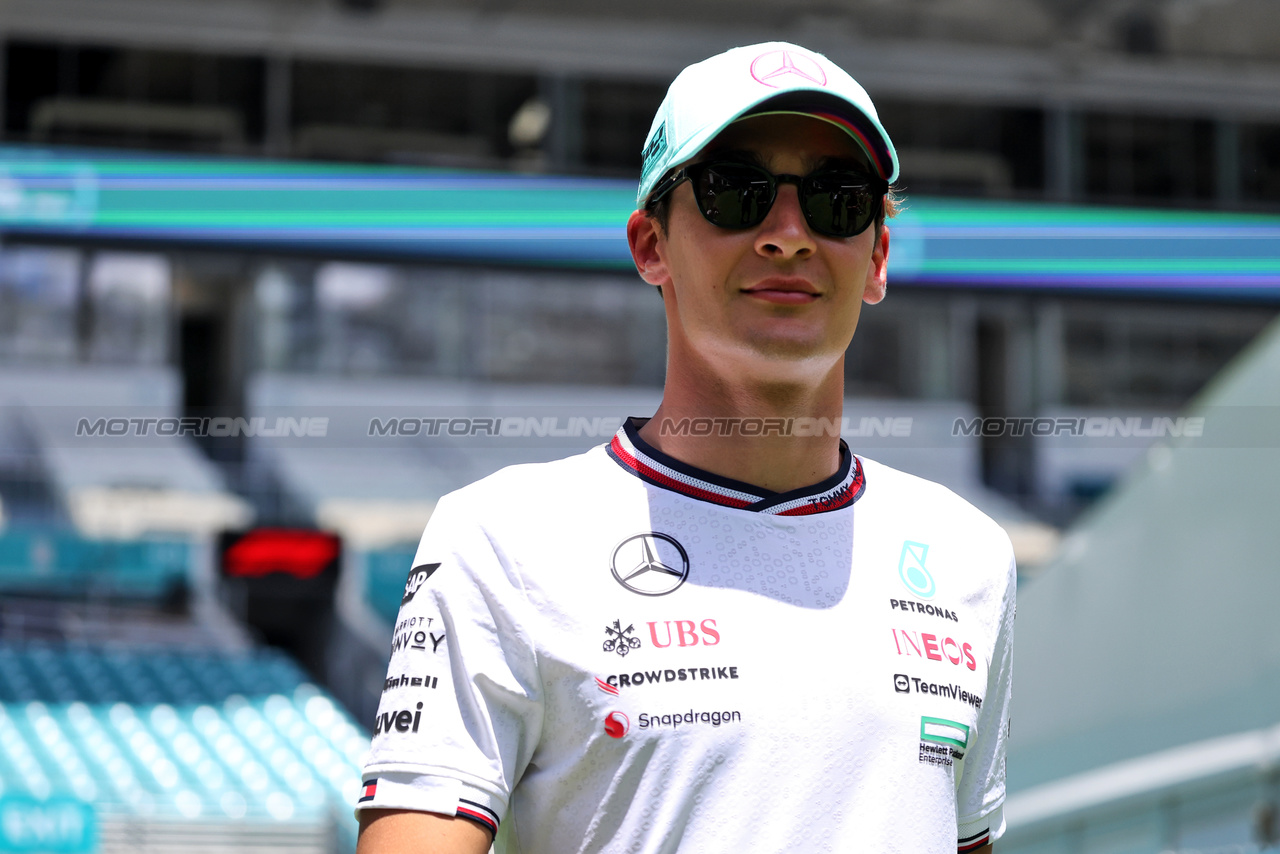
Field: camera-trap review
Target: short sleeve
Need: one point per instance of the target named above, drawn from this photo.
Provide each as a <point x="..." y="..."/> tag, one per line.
<point x="461" y="707"/>
<point x="981" y="791"/>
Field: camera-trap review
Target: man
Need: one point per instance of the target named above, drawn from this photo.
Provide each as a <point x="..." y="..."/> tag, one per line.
<point x="724" y="631"/>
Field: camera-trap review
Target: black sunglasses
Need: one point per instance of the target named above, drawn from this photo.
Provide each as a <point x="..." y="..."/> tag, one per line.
<point x="836" y="202"/>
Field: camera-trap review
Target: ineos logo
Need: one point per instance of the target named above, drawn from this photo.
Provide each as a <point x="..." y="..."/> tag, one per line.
<point x="650" y="564"/>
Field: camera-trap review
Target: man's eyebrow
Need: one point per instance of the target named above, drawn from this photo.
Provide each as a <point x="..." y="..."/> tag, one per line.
<point x="746" y="155"/>
<point x="843" y="161"/>
<point x="738" y="155"/>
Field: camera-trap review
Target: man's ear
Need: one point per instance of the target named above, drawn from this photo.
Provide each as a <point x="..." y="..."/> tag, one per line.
<point x="646" y="240"/>
<point x="878" y="269"/>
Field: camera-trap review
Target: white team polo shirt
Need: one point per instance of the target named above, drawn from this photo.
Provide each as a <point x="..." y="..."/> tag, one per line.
<point x="620" y="652"/>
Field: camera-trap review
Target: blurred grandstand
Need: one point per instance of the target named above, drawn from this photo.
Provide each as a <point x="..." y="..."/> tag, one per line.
<point x="136" y="717"/>
<point x="248" y="250"/>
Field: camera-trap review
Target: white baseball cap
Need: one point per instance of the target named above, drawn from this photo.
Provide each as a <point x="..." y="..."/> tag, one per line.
<point x="775" y="77"/>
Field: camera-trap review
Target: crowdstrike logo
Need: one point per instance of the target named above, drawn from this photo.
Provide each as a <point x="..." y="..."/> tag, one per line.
<point x="779" y="68"/>
<point x="650" y="564"/>
<point x="683" y="674"/>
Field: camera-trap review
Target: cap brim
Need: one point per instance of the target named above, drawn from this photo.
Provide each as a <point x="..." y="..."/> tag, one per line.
<point x="820" y="103"/>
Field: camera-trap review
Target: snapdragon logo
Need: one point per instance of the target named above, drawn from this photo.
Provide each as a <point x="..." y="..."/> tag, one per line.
<point x="689" y="718"/>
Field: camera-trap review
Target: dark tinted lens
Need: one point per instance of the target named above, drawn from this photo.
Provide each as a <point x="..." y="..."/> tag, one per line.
<point x="732" y="195"/>
<point x="839" y="204"/>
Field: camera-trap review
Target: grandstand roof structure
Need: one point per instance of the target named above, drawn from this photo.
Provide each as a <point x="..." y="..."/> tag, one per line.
<point x="1221" y="51"/>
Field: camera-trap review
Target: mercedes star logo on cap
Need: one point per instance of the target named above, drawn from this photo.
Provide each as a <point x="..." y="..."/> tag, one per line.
<point x="775" y="67"/>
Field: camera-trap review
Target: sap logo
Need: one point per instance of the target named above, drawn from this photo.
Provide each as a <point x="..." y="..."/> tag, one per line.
<point x="417" y="577"/>
<point x="686" y="633"/>
<point x="401" y="721"/>
<point x="928" y="646"/>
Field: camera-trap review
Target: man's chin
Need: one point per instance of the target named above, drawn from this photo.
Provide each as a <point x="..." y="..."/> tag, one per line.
<point x="786" y="359"/>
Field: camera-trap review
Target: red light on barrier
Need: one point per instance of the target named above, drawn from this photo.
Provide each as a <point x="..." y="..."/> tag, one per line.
<point x="300" y="553"/>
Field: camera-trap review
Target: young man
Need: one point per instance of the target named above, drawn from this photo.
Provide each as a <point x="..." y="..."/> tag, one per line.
<point x="724" y="631"/>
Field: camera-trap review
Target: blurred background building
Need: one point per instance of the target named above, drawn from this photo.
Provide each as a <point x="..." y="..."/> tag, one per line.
<point x="328" y="213"/>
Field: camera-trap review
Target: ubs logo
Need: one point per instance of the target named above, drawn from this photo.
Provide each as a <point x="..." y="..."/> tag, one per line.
<point x="650" y="564"/>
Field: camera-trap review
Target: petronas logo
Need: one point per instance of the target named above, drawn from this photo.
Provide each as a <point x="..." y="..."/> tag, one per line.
<point x="912" y="571"/>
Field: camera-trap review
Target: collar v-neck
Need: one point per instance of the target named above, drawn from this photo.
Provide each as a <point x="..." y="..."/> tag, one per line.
<point x="649" y="464"/>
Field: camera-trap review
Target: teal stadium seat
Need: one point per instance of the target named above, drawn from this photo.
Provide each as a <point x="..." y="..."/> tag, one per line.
<point x="177" y="736"/>
<point x="385" y="574"/>
<point x="61" y="563"/>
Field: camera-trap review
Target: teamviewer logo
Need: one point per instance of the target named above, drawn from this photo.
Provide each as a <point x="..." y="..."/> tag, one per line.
<point x="901" y="683"/>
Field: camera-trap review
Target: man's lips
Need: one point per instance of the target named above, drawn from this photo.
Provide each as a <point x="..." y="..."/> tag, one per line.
<point x="784" y="291"/>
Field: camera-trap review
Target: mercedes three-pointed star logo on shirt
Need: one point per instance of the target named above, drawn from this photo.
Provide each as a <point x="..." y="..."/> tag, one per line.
<point x="650" y="564"/>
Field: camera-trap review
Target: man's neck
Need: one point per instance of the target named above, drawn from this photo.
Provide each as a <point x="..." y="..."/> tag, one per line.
<point x="748" y="431"/>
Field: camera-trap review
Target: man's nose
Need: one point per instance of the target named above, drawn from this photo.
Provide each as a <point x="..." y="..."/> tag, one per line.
<point x="784" y="233"/>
